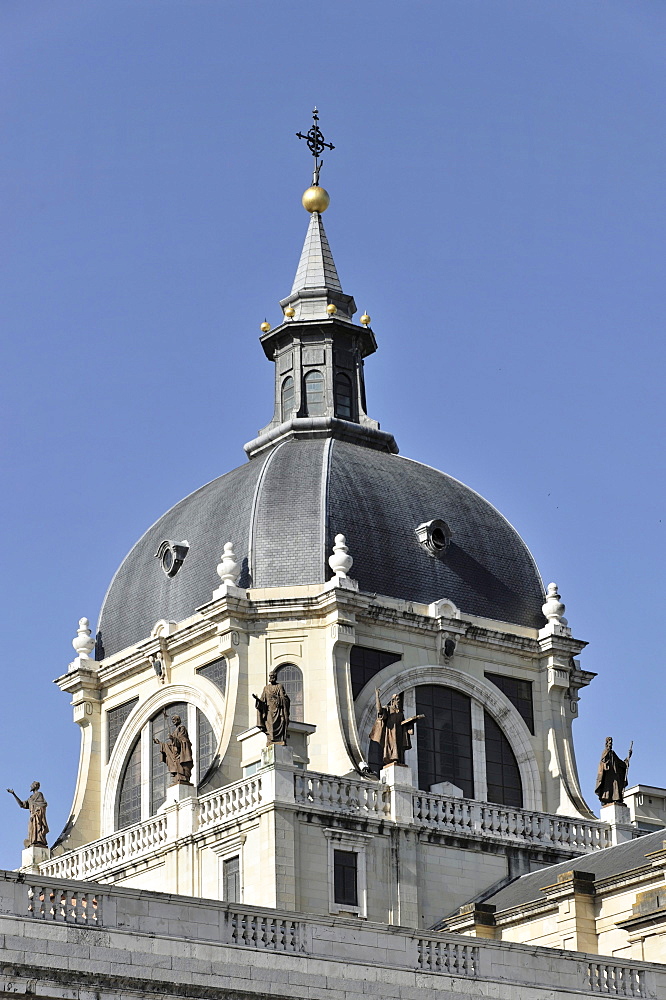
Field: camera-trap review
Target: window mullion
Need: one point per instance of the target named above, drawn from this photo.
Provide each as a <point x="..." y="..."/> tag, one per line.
<point x="193" y="732"/>
<point x="146" y="756"/>
<point x="479" y="752"/>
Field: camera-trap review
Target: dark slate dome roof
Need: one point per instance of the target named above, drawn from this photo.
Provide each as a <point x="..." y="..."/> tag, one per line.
<point x="282" y="511"/>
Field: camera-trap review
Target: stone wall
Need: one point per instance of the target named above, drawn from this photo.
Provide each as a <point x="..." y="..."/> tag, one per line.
<point x="72" y="940"/>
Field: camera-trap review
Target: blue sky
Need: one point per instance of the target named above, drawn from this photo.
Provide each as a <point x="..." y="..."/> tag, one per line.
<point x="498" y="207"/>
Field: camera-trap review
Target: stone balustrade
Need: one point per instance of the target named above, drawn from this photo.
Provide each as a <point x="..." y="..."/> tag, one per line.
<point x="132" y="921"/>
<point x="144" y="839"/>
<point x="108" y="852"/>
<point x="342" y="795"/>
<point x="271" y="933"/>
<point x="65" y="905"/>
<point x="454" y="958"/>
<point x="229" y="802"/>
<point x="616" y="980"/>
<point x="465" y="817"/>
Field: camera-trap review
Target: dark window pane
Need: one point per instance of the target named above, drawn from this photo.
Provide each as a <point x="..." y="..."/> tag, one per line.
<point x="216" y="672"/>
<point x="519" y="694"/>
<point x="343" y="396"/>
<point x="365" y="663"/>
<point x="129" y="799"/>
<point x="231" y="880"/>
<point x="206" y="745"/>
<point x="291" y="678"/>
<point x="314" y="394"/>
<point x="444" y="738"/>
<point x="115" y="720"/>
<point x="287" y="398"/>
<point x="160" y="729"/>
<point x="344" y="878"/>
<point x="502" y="773"/>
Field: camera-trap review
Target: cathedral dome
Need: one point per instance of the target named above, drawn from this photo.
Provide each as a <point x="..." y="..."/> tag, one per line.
<point x="323" y="467"/>
<point x="282" y="511"/>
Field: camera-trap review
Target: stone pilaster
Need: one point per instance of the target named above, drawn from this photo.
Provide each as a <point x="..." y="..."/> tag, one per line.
<point x="576" y="921"/>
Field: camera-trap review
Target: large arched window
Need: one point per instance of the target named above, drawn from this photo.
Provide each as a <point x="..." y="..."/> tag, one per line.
<point x="502" y="773"/>
<point x="291" y="678"/>
<point x="444" y="738"/>
<point x="343" y="396"/>
<point x="287" y="398"/>
<point x="315" y="403"/>
<point x="130" y="808"/>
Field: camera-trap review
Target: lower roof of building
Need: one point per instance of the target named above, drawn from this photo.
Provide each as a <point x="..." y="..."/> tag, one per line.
<point x="602" y="864"/>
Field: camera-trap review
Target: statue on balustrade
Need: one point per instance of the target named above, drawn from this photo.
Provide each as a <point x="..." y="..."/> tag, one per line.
<point x="177" y="752"/>
<point x="37" y="825"/>
<point x="612" y="774"/>
<point x="273" y="710"/>
<point x="391" y="733"/>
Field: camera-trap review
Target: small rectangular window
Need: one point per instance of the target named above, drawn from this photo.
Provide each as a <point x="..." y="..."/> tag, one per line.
<point x="345" y="881"/>
<point x="231" y="879"/>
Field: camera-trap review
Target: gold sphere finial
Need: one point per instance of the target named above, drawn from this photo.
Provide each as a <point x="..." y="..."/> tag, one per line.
<point x="265" y="326"/>
<point x="365" y="319"/>
<point x="316" y="199"/>
<point x="290" y="312"/>
<point x="331" y="309"/>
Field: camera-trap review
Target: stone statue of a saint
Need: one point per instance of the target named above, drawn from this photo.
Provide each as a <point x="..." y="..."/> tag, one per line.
<point x="273" y="710"/>
<point x="37" y="825"/>
<point x="391" y="734"/>
<point x="612" y="774"/>
<point x="177" y="753"/>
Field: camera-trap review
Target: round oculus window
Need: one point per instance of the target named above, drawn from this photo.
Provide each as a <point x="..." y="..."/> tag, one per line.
<point x="434" y="536"/>
<point x="172" y="555"/>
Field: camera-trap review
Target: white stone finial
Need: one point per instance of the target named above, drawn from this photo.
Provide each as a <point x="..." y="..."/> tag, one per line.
<point x="228" y="569"/>
<point x="83" y="641"/>
<point x="553" y="608"/>
<point x="340" y="562"/>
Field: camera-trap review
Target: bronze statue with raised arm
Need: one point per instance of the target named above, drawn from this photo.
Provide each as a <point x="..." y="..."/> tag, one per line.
<point x="37" y="825"/>
<point x="391" y="734"/>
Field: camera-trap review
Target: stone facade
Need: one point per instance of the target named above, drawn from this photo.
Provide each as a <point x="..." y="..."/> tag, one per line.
<point x="75" y="941"/>
<point x="425" y="853"/>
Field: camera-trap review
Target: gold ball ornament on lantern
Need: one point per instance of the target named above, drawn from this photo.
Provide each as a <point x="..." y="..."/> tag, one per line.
<point x="331" y="309"/>
<point x="316" y="199"/>
<point x="365" y="319"/>
<point x="290" y="312"/>
<point x="265" y="327"/>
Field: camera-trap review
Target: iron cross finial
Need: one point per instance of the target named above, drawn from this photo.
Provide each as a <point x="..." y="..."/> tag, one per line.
<point x="316" y="145"/>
